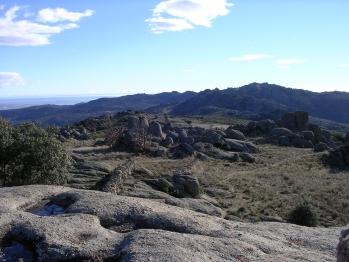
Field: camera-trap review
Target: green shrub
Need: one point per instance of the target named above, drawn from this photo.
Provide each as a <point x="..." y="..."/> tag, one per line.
<point x="339" y="137"/>
<point x="33" y="156"/>
<point x="303" y="215"/>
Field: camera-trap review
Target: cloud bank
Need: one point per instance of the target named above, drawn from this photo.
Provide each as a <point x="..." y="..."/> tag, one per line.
<point x="8" y="79"/>
<point x="16" y="29"/>
<point x="179" y="15"/>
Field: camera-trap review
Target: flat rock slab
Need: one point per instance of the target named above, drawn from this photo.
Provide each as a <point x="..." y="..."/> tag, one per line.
<point x="99" y="226"/>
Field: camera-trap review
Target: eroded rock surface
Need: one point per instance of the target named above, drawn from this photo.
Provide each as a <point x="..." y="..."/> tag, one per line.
<point x="98" y="226"/>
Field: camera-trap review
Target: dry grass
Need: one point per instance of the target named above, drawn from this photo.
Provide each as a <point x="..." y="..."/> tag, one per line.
<point x="279" y="180"/>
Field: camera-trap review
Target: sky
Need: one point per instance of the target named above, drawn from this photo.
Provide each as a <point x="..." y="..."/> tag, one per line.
<point x="117" y="47"/>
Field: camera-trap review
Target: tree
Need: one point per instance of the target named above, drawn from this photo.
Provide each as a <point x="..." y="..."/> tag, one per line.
<point x="6" y="141"/>
<point x="34" y="156"/>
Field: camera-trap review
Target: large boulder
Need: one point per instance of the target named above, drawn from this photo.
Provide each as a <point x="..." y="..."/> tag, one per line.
<point x="143" y="122"/>
<point x="339" y="158"/>
<point x="186" y="185"/>
<point x="155" y="130"/>
<point x="277" y="132"/>
<point x="133" y="123"/>
<point x="240" y="146"/>
<point x="214" y="152"/>
<point x="213" y="137"/>
<point x="167" y="142"/>
<point x="296" y="120"/>
<point x="302" y="143"/>
<point x="308" y="135"/>
<point x="158" y="151"/>
<point x="234" y="134"/>
<point x="98" y="226"/>
<point x="264" y="126"/>
<point x="182" y="151"/>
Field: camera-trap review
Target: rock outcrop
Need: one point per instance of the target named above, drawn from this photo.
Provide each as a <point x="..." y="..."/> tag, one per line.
<point x="296" y="120"/>
<point x="113" y="182"/>
<point x="98" y="226"/>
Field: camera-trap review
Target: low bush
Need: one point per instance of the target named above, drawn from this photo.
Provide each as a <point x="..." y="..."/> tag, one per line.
<point x="31" y="155"/>
<point x="303" y="215"/>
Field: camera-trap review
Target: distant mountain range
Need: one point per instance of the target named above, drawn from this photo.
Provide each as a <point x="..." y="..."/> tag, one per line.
<point x="251" y="101"/>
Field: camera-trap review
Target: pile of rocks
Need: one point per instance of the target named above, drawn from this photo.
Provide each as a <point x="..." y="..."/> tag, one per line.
<point x="293" y="130"/>
<point x="75" y="133"/>
<point x="164" y="140"/>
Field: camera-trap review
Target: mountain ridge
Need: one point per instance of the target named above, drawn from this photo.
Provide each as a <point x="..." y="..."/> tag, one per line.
<point x="253" y="100"/>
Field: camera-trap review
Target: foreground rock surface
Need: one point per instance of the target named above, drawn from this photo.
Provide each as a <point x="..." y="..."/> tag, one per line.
<point x="99" y="226"/>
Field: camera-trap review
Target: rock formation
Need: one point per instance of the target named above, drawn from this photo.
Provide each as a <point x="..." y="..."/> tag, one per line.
<point x="99" y="226"/>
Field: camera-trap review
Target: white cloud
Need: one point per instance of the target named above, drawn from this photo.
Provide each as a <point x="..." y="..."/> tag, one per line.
<point x="10" y="79"/>
<point x="287" y="62"/>
<point x="344" y="66"/>
<point x="54" y="15"/>
<point x="179" y="15"/>
<point x="250" y="57"/>
<point x="21" y="31"/>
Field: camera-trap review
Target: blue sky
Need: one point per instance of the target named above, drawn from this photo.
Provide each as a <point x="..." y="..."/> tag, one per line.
<point x="113" y="47"/>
